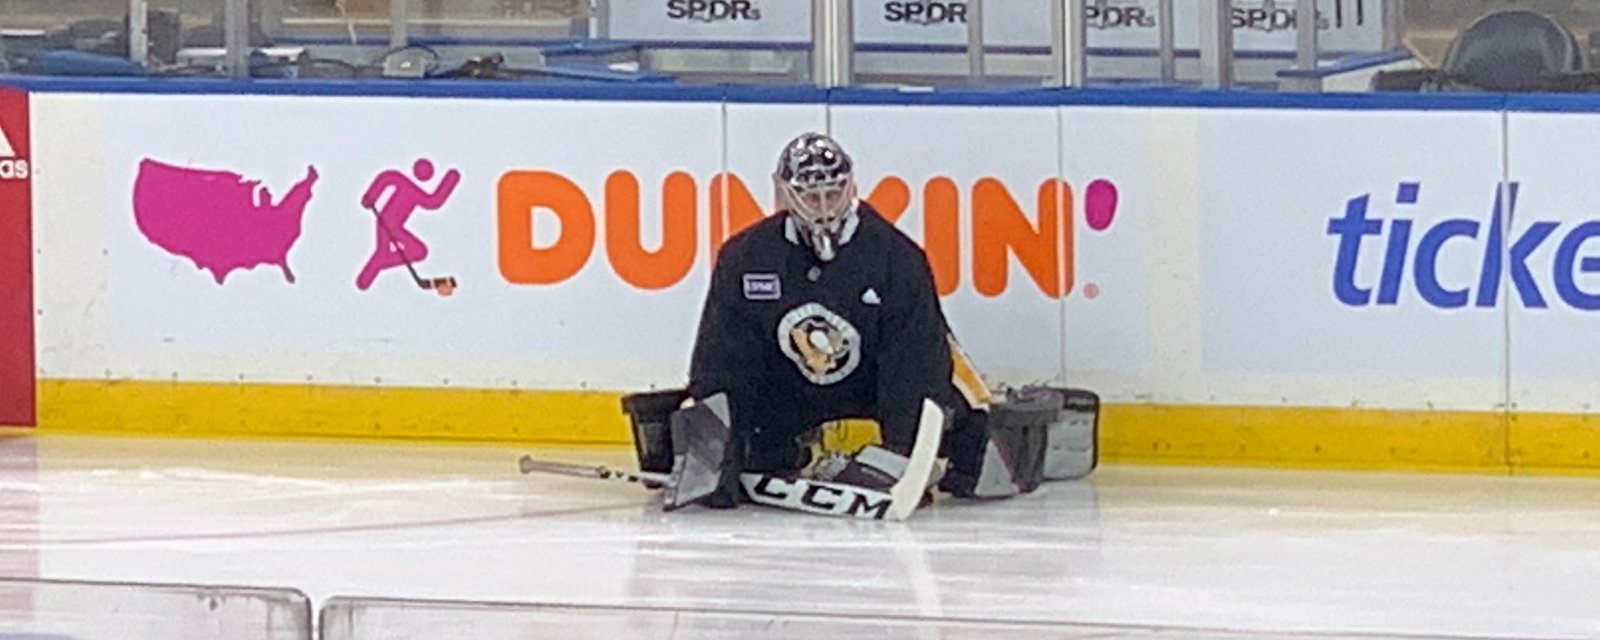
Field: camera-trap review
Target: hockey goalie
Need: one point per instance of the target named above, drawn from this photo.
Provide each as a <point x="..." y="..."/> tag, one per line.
<point x="825" y="378"/>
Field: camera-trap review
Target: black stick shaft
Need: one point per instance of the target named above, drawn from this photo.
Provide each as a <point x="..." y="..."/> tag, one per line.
<point x="395" y="243"/>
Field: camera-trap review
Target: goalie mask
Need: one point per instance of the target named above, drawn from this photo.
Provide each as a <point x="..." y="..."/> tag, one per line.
<point x="816" y="185"/>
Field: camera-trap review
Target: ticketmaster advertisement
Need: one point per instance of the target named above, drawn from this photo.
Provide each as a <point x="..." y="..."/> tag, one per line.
<point x="1552" y="261"/>
<point x="1355" y="253"/>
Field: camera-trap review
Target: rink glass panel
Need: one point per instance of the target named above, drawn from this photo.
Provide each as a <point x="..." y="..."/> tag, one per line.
<point x="739" y="41"/>
<point x="66" y="610"/>
<point x="378" y="619"/>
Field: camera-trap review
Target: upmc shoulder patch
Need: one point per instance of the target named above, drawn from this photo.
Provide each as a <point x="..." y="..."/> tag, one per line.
<point x="762" y="286"/>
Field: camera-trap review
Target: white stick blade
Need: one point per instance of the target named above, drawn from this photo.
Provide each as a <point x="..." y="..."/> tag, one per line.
<point x="907" y="493"/>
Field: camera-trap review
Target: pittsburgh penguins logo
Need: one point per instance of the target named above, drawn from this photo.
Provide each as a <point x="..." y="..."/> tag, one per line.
<point x="823" y="345"/>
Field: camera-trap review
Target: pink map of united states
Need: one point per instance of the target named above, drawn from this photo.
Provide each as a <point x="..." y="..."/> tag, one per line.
<point x="219" y="219"/>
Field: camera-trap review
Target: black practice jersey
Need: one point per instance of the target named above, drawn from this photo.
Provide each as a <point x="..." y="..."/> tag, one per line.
<point x="786" y="335"/>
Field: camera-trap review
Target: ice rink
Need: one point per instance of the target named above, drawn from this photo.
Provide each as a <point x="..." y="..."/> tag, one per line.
<point x="1137" y="552"/>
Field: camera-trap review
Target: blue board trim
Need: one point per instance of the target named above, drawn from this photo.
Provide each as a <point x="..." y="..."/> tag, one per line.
<point x="655" y="91"/>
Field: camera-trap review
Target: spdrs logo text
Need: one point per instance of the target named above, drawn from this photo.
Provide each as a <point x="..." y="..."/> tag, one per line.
<point x="713" y="10"/>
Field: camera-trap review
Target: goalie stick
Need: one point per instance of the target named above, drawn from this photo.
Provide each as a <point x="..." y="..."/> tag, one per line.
<point x="908" y="490"/>
<point x="445" y="285"/>
<point x="528" y="465"/>
<point x="795" y="494"/>
<point x="804" y="494"/>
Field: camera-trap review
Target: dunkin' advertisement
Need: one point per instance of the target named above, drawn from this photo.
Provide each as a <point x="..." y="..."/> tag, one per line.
<point x="546" y="244"/>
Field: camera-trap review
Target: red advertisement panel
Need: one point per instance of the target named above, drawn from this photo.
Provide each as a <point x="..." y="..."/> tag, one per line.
<point x="16" y="262"/>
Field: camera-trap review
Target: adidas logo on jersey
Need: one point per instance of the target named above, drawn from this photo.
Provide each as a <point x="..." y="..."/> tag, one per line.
<point x="11" y="167"/>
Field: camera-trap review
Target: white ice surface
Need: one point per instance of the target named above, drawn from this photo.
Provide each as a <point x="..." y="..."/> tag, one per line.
<point x="1272" y="552"/>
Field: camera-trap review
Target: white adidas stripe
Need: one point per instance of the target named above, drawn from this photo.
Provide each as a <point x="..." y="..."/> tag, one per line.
<point x="6" y="150"/>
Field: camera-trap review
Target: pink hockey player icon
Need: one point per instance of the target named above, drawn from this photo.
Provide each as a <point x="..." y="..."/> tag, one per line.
<point x="397" y="246"/>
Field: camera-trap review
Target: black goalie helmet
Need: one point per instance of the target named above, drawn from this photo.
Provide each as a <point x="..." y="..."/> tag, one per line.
<point x="816" y="185"/>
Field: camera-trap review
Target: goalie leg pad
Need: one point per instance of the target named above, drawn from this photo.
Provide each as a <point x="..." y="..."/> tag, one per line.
<point x="1007" y="447"/>
<point x="873" y="467"/>
<point x="650" y="414"/>
<point x="1074" y="450"/>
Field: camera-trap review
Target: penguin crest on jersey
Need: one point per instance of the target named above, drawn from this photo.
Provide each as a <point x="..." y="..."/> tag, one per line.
<point x="825" y="347"/>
